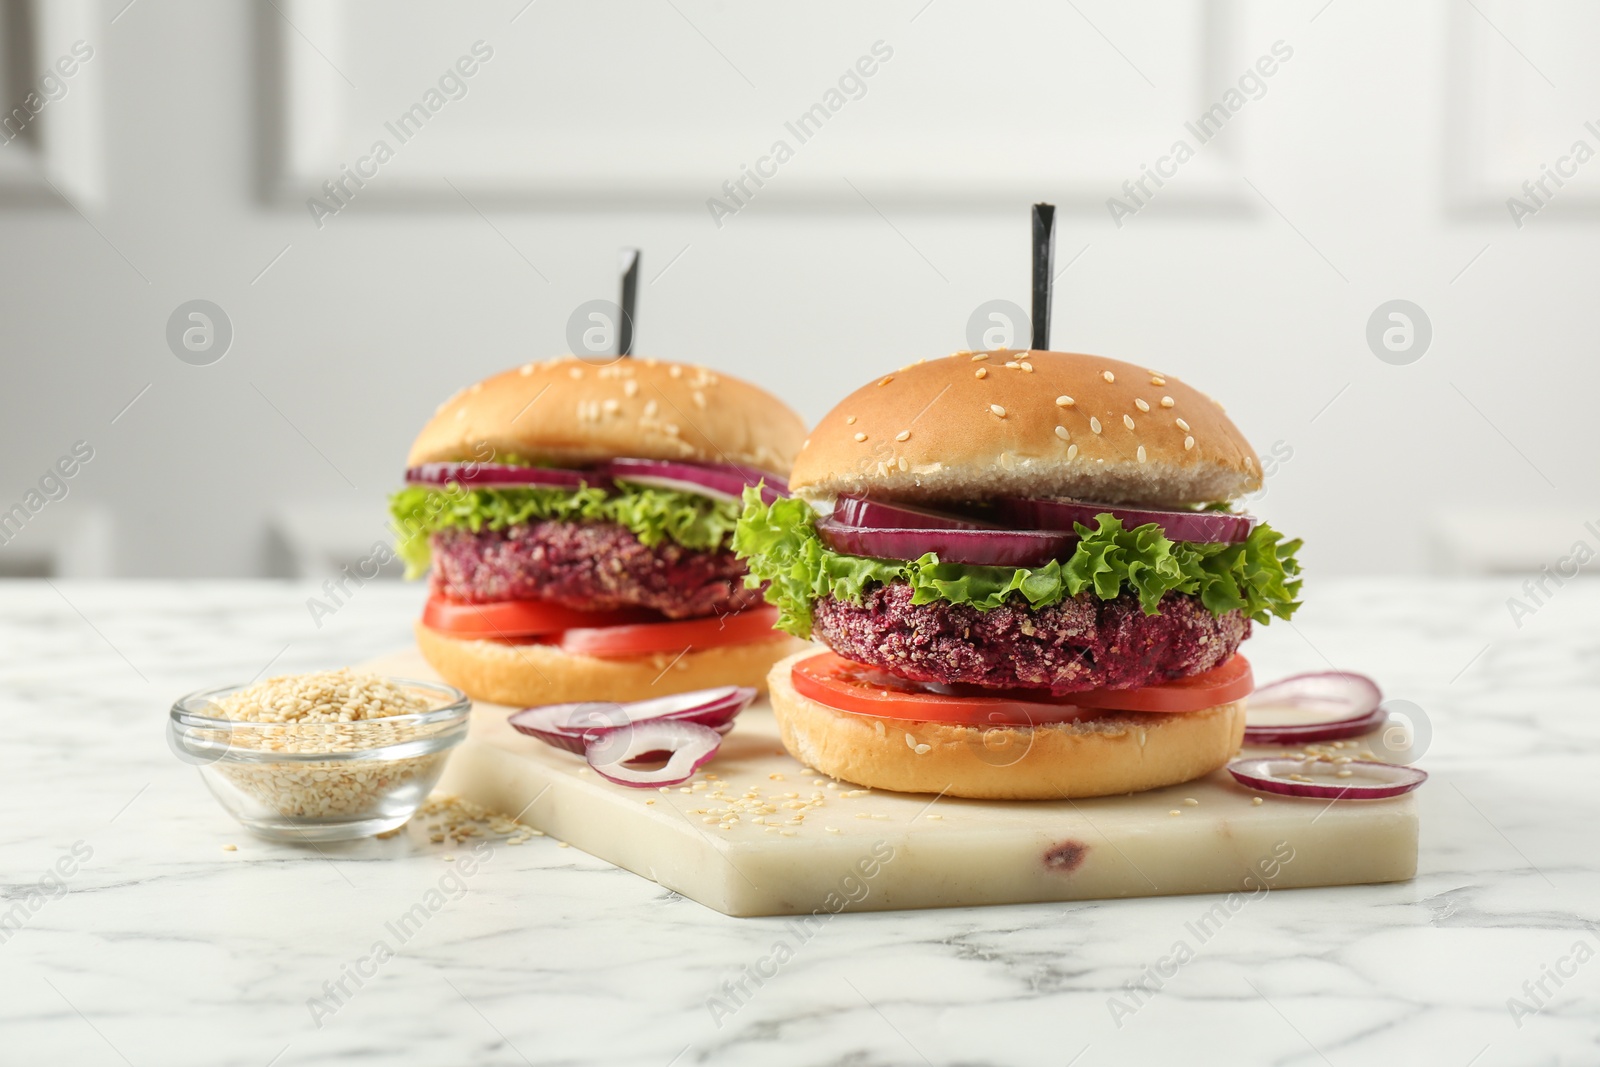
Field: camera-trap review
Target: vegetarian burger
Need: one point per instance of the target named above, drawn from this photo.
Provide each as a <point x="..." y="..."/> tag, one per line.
<point x="1028" y="574"/>
<point x="578" y="518"/>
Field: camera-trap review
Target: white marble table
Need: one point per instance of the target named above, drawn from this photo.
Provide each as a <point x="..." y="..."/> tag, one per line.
<point x="164" y="949"/>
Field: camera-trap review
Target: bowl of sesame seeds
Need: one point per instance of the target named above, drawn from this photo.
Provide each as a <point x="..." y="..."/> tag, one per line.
<point x="327" y="756"/>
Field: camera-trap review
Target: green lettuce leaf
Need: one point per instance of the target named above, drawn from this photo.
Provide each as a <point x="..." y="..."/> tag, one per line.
<point x="652" y="514"/>
<point x="1258" y="576"/>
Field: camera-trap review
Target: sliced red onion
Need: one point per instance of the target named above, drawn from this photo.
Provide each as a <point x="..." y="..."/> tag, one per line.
<point x="876" y="514"/>
<point x="1369" y="779"/>
<point x="689" y="746"/>
<point x="1203" y="527"/>
<point x="492" y="475"/>
<point x="1322" y="706"/>
<point x="573" y="726"/>
<point x="720" y="481"/>
<point x="996" y="548"/>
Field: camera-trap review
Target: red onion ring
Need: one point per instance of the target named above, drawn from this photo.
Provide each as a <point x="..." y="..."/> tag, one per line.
<point x="690" y="746"/>
<point x="1345" y="705"/>
<point x="574" y="726"/>
<point x="1382" y="780"/>
<point x="991" y="547"/>
<point x="720" y="481"/>
<point x="1201" y="527"/>
<point x="878" y="515"/>
<point x="504" y="474"/>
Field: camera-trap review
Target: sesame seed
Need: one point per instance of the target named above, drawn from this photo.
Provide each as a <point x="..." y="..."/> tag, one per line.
<point x="699" y="399"/>
<point x="1156" y="379"/>
<point x="903" y="435"/>
<point x="1191" y="801"/>
<point x="610" y="407"/>
<point x="1343" y="774"/>
<point x="1108" y="376"/>
<point x="1064" y="401"/>
<point x="1072" y="453"/>
<point x="525" y="370"/>
<point x="630" y="388"/>
<point x="849" y="420"/>
<point x="1141" y="454"/>
<point x="230" y="848"/>
<point x="1174" y="811"/>
<point x="1167" y="401"/>
<point x="903" y="463"/>
<point x="1188" y="443"/>
<point x="1249" y="464"/>
<point x="1026" y="366"/>
<point x="1127" y="420"/>
<point x="983" y="372"/>
<point x="887" y="379"/>
<point x="576" y="372"/>
<point x="998" y="410"/>
<point x="1061" y="432"/>
<point x="861" y="437"/>
<point x="806" y="443"/>
<point x="1184" y="426"/>
<point x="1255" y="800"/>
<point x="1094" y="424"/>
<point x="1140" y="404"/>
<point x="675" y="371"/>
<point x="977" y="356"/>
<point x="1012" y="364"/>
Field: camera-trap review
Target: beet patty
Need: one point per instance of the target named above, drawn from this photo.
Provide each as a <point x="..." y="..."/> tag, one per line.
<point x="1080" y="643"/>
<point x="596" y="566"/>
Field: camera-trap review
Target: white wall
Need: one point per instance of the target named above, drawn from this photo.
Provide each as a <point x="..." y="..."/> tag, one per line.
<point x="1374" y="167"/>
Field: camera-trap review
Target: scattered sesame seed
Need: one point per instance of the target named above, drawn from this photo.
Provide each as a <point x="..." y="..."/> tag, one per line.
<point x="652" y="800"/>
<point x="562" y="844"/>
<point x="1249" y="464"/>
<point x="833" y="829"/>
<point x="230" y="848"/>
<point x="886" y="380"/>
<point x="576" y="372"/>
<point x="1255" y="801"/>
<point x="935" y="815"/>
<point x="1174" y="811"/>
<point x="1188" y="443"/>
<point x="1012" y="364"/>
<point x="1142" y="455"/>
<point x="1094" y="424"/>
<point x="630" y="388"/>
<point x="1156" y="379"/>
<point x="776" y="777"/>
<point x="1127" y="420"/>
<point x="1108" y="376"/>
<point x="849" y="420"/>
<point x="1026" y="366"/>
<point x="903" y="435"/>
<point x="699" y="399"/>
<point x="1140" y="404"/>
<point x="1343" y="774"/>
<point x="983" y="372"/>
<point x="976" y="356"/>
<point x="861" y="437"/>
<point x="525" y="370"/>
<point x="1061" y="432"/>
<point x="923" y="750"/>
<point x="806" y="443"/>
<point x="998" y="410"/>
<point x="675" y="371"/>
<point x="1182" y="425"/>
<point x="1064" y="401"/>
<point x="903" y="463"/>
<point x="1167" y="401"/>
<point x="1191" y="801"/>
<point x="1072" y="452"/>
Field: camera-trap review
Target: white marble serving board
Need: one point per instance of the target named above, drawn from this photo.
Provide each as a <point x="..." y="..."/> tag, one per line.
<point x="874" y="851"/>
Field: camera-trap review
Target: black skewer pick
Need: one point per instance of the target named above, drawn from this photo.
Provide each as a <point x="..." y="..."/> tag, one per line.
<point x="1044" y="258"/>
<point x="629" y="266"/>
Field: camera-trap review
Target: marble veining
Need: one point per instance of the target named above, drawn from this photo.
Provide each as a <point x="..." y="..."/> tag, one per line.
<point x="159" y="947"/>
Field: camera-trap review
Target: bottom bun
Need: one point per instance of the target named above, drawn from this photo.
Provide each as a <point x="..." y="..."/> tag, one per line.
<point x="525" y="675"/>
<point x="1118" y="752"/>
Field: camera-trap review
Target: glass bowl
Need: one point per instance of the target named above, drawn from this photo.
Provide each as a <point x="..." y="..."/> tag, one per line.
<point x="320" y="781"/>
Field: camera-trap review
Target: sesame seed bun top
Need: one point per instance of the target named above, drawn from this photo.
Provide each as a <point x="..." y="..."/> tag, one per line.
<point x="571" y="412"/>
<point x="980" y="425"/>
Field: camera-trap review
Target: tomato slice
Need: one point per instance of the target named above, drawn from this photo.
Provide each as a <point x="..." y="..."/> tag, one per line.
<point x="518" y="618"/>
<point x="1220" y="685"/>
<point x="739" y="628"/>
<point x="849" y="686"/>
